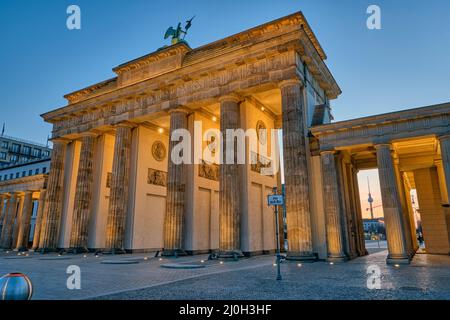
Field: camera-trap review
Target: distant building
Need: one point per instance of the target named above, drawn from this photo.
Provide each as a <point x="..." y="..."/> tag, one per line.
<point x="23" y="182"/>
<point x="15" y="151"/>
<point x="373" y="225"/>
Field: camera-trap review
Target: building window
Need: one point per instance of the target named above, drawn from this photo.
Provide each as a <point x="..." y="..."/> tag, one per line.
<point x="30" y="173"/>
<point x="5" y="177"/>
<point x="15" y="148"/>
<point x="5" y="145"/>
<point x="17" y="175"/>
<point x="26" y="150"/>
<point x="2" y="155"/>
<point x="36" y="153"/>
<point x="11" y="176"/>
<point x="14" y="158"/>
<point x="44" y="170"/>
<point x="24" y="174"/>
<point x="37" y="171"/>
<point x="46" y="153"/>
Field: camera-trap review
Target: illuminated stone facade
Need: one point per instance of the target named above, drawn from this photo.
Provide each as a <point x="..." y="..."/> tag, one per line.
<point x="113" y="185"/>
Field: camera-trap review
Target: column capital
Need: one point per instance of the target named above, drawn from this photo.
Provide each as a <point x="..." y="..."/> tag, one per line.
<point x="444" y="137"/>
<point x="290" y="82"/>
<point x="382" y="145"/>
<point x="60" y="140"/>
<point x="125" y="124"/>
<point x="329" y="151"/>
<point x="180" y="109"/>
<point x="230" y="98"/>
<point x="92" y="134"/>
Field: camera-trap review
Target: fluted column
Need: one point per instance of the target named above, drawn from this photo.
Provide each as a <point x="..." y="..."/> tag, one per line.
<point x="445" y="154"/>
<point x="176" y="188"/>
<point x="53" y="204"/>
<point x="83" y="195"/>
<point x="392" y="206"/>
<point x="359" y="223"/>
<point x="229" y="191"/>
<point x="333" y="212"/>
<point x="38" y="224"/>
<point x="8" y="222"/>
<point x="118" y="200"/>
<point x="24" y="222"/>
<point x="2" y="211"/>
<point x="296" y="172"/>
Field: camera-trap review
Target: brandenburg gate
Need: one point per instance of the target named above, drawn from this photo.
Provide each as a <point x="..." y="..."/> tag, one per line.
<point x="113" y="186"/>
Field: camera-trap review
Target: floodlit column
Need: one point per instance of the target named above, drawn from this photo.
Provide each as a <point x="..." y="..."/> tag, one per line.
<point x="24" y="222"/>
<point x="229" y="191"/>
<point x="332" y="208"/>
<point x="3" y="197"/>
<point x="53" y="205"/>
<point x="296" y="172"/>
<point x="176" y="188"/>
<point x="115" y="227"/>
<point x="359" y="223"/>
<point x="8" y="222"/>
<point x="445" y="154"/>
<point x="83" y="195"/>
<point x="403" y="201"/>
<point x="392" y="206"/>
<point x="40" y="212"/>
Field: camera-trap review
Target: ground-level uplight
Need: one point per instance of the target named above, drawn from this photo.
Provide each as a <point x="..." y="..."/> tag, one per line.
<point x="299" y="265"/>
<point x="397" y="265"/>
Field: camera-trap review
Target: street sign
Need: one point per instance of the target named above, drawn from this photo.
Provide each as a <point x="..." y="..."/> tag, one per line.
<point x="275" y="200"/>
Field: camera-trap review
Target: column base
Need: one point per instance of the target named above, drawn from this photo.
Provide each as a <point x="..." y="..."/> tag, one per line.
<point x="337" y="259"/>
<point x="233" y="254"/>
<point x="46" y="250"/>
<point x="398" y="260"/>
<point x="77" y="250"/>
<point x="304" y="257"/>
<point x="173" y="253"/>
<point x="114" y="251"/>
<point x="21" y="249"/>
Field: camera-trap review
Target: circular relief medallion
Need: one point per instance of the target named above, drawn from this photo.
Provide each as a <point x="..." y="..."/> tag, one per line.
<point x="261" y="130"/>
<point x="158" y="151"/>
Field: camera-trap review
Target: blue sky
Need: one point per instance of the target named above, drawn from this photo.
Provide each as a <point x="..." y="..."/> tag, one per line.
<point x="403" y="65"/>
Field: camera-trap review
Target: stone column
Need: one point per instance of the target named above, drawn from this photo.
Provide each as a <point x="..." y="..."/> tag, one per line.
<point x="403" y="201"/>
<point x="8" y="222"/>
<point x="296" y="172"/>
<point x="445" y="154"/>
<point x="118" y="200"/>
<point x="37" y="226"/>
<point x="24" y="222"/>
<point x="48" y="240"/>
<point x="16" y="220"/>
<point x="359" y="223"/>
<point x="83" y="195"/>
<point x="176" y="188"/>
<point x="2" y="211"/>
<point x="229" y="191"/>
<point x="392" y="206"/>
<point x="332" y="207"/>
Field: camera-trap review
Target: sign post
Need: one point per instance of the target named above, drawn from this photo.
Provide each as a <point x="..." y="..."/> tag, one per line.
<point x="276" y="200"/>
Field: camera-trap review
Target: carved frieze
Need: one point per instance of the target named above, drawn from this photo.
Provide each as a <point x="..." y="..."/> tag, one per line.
<point x="261" y="164"/>
<point x="208" y="171"/>
<point x="157" y="177"/>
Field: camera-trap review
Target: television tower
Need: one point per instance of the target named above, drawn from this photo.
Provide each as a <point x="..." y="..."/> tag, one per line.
<point x="370" y="200"/>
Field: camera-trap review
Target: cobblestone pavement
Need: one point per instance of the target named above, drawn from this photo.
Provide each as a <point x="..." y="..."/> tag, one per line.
<point x="428" y="277"/>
